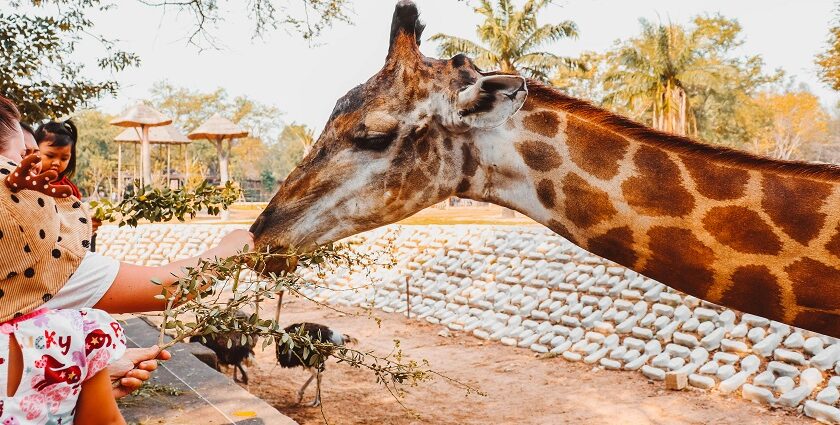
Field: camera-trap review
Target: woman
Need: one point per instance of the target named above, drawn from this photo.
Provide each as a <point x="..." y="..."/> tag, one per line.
<point x="104" y="283"/>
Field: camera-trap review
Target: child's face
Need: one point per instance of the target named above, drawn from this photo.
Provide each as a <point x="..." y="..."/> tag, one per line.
<point x="54" y="157"/>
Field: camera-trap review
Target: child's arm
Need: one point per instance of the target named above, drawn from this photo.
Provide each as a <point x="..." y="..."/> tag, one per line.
<point x="134" y="292"/>
<point x="96" y="404"/>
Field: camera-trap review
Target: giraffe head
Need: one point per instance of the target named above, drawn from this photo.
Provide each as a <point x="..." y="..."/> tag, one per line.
<point x="392" y="146"/>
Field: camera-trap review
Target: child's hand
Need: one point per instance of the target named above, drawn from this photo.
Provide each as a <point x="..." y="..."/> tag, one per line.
<point x="24" y="177"/>
<point x="135" y="367"/>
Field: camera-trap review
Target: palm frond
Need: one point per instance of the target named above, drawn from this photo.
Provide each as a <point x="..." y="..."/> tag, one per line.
<point x="549" y="33"/>
<point x="451" y="46"/>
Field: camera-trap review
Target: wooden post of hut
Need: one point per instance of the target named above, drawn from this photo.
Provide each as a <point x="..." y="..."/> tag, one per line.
<point x="217" y="130"/>
<point x="144" y="117"/>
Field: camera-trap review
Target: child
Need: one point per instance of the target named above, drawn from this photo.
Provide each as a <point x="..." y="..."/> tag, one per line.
<point x="52" y="362"/>
<point x="57" y="144"/>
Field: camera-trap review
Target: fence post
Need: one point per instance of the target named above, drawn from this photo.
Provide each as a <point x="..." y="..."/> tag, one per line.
<point x="407" y="298"/>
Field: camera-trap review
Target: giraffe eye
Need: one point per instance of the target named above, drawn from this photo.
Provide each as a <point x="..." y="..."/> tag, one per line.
<point x="377" y="142"/>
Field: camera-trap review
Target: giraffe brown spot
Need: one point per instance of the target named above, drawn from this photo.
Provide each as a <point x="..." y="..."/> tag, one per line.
<point x="594" y="149"/>
<point x="716" y="181"/>
<point x="819" y="321"/>
<point x="393" y="181"/>
<point x="538" y="155"/>
<point x="586" y="205"/>
<point x="657" y="190"/>
<point x="463" y="186"/>
<point x="742" y="230"/>
<point x="546" y="193"/>
<point x="470" y="165"/>
<point x="423" y="148"/>
<point x="416" y="179"/>
<point x="616" y="245"/>
<point x="833" y="245"/>
<point x="815" y="284"/>
<point x="545" y="123"/>
<point x="680" y="260"/>
<point x="793" y="203"/>
<point x="755" y="290"/>
<point x="560" y="229"/>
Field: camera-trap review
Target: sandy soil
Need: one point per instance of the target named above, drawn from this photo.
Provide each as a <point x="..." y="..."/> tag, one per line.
<point x="521" y="388"/>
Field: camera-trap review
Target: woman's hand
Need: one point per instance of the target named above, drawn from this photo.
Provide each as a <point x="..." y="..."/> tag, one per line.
<point x="233" y="243"/>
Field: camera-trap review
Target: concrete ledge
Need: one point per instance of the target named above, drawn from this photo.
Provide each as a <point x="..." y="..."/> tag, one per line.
<point x="208" y="398"/>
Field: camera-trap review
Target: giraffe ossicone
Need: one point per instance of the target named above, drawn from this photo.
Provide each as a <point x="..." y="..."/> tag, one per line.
<point x="743" y="231"/>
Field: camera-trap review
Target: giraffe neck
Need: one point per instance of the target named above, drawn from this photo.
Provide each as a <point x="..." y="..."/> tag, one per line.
<point x="745" y="232"/>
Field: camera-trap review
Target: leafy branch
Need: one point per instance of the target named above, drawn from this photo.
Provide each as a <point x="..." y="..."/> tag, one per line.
<point x="210" y="298"/>
<point x="161" y="205"/>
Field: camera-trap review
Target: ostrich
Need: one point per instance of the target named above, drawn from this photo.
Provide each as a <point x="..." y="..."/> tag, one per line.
<point x="234" y="355"/>
<point x="313" y="361"/>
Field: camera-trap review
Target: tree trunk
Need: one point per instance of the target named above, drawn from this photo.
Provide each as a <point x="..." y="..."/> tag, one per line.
<point x="146" y="153"/>
<point x="223" y="161"/>
<point x="224" y="177"/>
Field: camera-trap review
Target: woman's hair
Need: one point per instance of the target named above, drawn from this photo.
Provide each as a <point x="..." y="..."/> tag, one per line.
<point x="9" y="119"/>
<point x="60" y="134"/>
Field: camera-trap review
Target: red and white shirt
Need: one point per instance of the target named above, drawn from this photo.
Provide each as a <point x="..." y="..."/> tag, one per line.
<point x="61" y="350"/>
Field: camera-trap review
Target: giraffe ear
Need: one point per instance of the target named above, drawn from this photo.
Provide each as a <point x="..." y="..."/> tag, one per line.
<point x="491" y="100"/>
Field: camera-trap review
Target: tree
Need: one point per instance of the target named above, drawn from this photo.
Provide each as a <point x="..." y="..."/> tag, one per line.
<point x="36" y="67"/>
<point x="250" y="157"/>
<point x="189" y="109"/>
<point x="513" y="40"/>
<point x="96" y="152"/>
<point x="799" y="124"/>
<point x="583" y="82"/>
<point x="829" y="60"/>
<point x="684" y="80"/>
<point x="39" y="39"/>
<point x="299" y="133"/>
<point x="305" y="17"/>
<point x="289" y="150"/>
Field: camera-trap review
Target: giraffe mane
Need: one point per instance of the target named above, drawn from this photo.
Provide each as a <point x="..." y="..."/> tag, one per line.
<point x="630" y="129"/>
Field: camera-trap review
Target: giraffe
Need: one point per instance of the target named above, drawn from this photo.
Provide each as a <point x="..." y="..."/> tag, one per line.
<point x="743" y="231"/>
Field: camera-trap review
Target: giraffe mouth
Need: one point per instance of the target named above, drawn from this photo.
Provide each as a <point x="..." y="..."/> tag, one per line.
<point x="274" y="261"/>
<point x="273" y="258"/>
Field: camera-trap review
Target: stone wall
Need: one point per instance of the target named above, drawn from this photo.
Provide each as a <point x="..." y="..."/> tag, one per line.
<point x="525" y="286"/>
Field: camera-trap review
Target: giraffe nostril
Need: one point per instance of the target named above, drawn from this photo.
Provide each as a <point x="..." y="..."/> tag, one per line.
<point x="257" y="226"/>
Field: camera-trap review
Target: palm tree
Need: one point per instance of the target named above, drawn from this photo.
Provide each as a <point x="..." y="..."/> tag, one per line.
<point x="303" y="135"/>
<point x="654" y="74"/>
<point x="513" y="39"/>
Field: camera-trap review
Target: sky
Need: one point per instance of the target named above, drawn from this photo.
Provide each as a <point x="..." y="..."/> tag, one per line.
<point x="304" y="80"/>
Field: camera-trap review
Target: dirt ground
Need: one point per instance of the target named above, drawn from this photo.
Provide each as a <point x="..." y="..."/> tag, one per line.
<point x="521" y="388"/>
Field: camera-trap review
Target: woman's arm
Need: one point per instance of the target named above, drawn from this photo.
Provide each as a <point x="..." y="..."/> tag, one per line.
<point x="96" y="404"/>
<point x="134" y="292"/>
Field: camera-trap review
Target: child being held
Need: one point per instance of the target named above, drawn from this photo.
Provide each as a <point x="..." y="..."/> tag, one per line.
<point x="57" y="142"/>
<point x="52" y="362"/>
